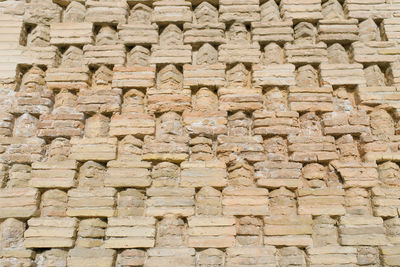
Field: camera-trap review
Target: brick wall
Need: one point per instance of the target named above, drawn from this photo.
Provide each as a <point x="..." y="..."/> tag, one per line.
<point x="199" y="133"/>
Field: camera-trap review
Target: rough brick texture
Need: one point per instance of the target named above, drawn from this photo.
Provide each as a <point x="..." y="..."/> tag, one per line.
<point x="181" y="133"/>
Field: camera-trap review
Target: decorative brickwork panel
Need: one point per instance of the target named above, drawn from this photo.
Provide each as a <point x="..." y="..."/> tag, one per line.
<point x="199" y="133"/>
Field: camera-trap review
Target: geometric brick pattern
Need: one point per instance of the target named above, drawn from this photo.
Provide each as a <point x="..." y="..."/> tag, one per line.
<point x="199" y="133"/>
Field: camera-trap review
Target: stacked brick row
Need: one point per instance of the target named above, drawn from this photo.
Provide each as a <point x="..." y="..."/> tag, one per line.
<point x="199" y="133"/>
